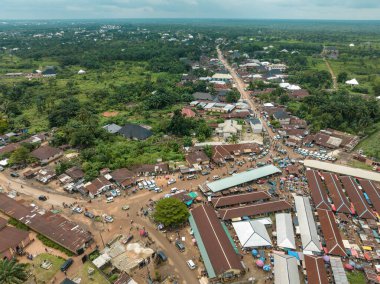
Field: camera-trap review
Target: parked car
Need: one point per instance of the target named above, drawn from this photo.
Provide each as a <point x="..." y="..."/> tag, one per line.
<point x="191" y="264"/>
<point x="190" y="177"/>
<point x="216" y="177"/>
<point x="14" y="174"/>
<point x="89" y="215"/>
<point x="161" y="256"/>
<point x="174" y="190"/>
<point x="67" y="264"/>
<point x="125" y="207"/>
<point x="42" y="198"/>
<point x="171" y="181"/>
<point x="180" y="246"/>
<point x="157" y="189"/>
<point x="205" y="173"/>
<point x="109" y="199"/>
<point x="77" y="210"/>
<point x="108" y="219"/>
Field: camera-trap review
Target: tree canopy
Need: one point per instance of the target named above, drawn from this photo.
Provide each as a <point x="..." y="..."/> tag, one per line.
<point x="12" y="272"/>
<point x="171" y="212"/>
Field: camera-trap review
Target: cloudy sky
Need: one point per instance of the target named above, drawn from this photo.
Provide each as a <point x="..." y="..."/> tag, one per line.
<point x="252" y="9"/>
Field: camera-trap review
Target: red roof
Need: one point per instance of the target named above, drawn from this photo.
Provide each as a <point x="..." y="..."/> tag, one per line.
<point x="357" y="198"/>
<point x="373" y="193"/>
<point x="239" y="198"/>
<point x="336" y="192"/>
<point x="315" y="269"/>
<point x="331" y="232"/>
<point x="187" y="112"/>
<point x="318" y="193"/>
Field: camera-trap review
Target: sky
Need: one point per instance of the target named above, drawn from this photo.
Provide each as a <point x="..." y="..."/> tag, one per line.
<point x="246" y="9"/>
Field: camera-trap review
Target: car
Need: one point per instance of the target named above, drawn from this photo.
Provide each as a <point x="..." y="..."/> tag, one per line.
<point x="67" y="264"/>
<point x="42" y="198"/>
<point x="174" y="190"/>
<point x="190" y="177"/>
<point x="127" y="239"/>
<point x="157" y="189"/>
<point x="216" y="177"/>
<point x="108" y="219"/>
<point x="125" y="207"/>
<point x="205" y="173"/>
<point x="180" y="246"/>
<point x="161" y="256"/>
<point x="89" y="215"/>
<point x="171" y="181"/>
<point x="232" y="172"/>
<point x="144" y="183"/>
<point x="191" y="264"/>
<point x="14" y="174"/>
<point x="109" y="199"/>
<point x="77" y="210"/>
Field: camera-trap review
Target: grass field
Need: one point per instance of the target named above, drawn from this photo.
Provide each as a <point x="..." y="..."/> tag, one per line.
<point x="43" y="275"/>
<point x="356" y="277"/>
<point x="96" y="277"/>
<point x="371" y="145"/>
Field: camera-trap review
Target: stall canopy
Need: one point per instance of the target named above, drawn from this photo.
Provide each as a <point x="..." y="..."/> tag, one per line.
<point x="252" y="234"/>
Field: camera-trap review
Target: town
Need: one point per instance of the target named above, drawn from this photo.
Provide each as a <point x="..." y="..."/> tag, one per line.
<point x="188" y="155"/>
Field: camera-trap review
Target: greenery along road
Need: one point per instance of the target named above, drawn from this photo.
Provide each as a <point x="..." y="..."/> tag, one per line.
<point x="335" y="84"/>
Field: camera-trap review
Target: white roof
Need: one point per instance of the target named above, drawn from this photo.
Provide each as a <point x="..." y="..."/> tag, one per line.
<point x="352" y="82"/>
<point x="284" y="85"/>
<point x="101" y="260"/>
<point x="252" y="234"/>
<point x="284" y="230"/>
<point x="293" y="87"/>
<point x="269" y="105"/>
<point x="308" y="228"/>
<point x="81" y="72"/>
<point x="285" y="269"/>
<point x="222" y="76"/>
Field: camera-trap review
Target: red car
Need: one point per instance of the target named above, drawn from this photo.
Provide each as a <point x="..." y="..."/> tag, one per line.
<point x="260" y="181"/>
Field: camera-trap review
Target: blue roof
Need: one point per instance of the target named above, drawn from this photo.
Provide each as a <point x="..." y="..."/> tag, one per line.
<point x="243" y="177"/>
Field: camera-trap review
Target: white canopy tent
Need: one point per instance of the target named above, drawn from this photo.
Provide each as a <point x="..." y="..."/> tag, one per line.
<point x="252" y="234"/>
<point x="352" y="82"/>
<point x="284" y="230"/>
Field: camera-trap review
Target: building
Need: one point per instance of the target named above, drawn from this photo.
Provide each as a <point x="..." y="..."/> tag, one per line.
<point x="203" y="96"/>
<point x="373" y="193"/>
<point x="307" y="227"/>
<point x="228" y="129"/>
<point x="219" y="256"/>
<point x="284" y="230"/>
<point x="188" y="112"/>
<point x="222" y="77"/>
<point x="282" y="117"/>
<point x="252" y="234"/>
<point x="46" y="154"/>
<point x="340" y="276"/>
<point x="112" y="128"/>
<point x="285" y="269"/>
<point x="148" y="170"/>
<point x="318" y="193"/>
<point x="12" y="240"/>
<point x="223" y="153"/>
<point x="97" y="186"/>
<point x="75" y="173"/>
<point x="123" y="177"/>
<point x="256" y="125"/>
<point x="242" y="178"/>
<point x="341" y="203"/>
<point x="240" y="199"/>
<point x="197" y="157"/>
<point x="298" y="95"/>
<point x="315" y="269"/>
<point x="135" y="132"/>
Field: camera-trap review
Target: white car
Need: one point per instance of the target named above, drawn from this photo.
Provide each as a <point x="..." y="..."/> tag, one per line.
<point x="171" y="181"/>
<point x="140" y="185"/>
<point x="108" y="219"/>
<point x="191" y="264"/>
<point x="78" y="210"/>
<point x="174" y="190"/>
<point x="216" y="177"/>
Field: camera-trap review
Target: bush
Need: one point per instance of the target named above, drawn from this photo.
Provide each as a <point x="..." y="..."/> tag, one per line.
<point x="18" y="224"/>
<point x="49" y="243"/>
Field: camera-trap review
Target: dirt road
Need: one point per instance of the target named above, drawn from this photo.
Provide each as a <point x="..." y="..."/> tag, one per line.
<point x="335" y="84"/>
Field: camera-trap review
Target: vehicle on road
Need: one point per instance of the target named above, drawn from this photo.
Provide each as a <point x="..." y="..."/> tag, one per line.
<point x="205" y="173"/>
<point x="171" y="181"/>
<point x="125" y="207"/>
<point x="161" y="256"/>
<point x="42" y="198"/>
<point x="89" y="215"/>
<point x="216" y="177"/>
<point x="67" y="264"/>
<point x="14" y="174"/>
<point x="174" y="190"/>
<point x="109" y="199"/>
<point x="77" y="210"/>
<point x="191" y="264"/>
<point x="157" y="189"/>
<point x="180" y="246"/>
<point x="108" y="219"/>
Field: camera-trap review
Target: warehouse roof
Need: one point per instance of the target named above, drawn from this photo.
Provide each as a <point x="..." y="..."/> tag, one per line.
<point x="373" y="193"/>
<point x="341" y="202"/>
<point x="216" y="249"/>
<point x="284" y="230"/>
<point x="315" y="269"/>
<point x="241" y="178"/>
<point x="318" y="193"/>
<point x="357" y="198"/>
<point x="254" y="209"/>
<point x="308" y="229"/>
<point x="331" y="233"/>
<point x="340" y="276"/>
<point x="344" y="170"/>
<point x="252" y="234"/>
<point x="239" y="198"/>
<point x="285" y="269"/>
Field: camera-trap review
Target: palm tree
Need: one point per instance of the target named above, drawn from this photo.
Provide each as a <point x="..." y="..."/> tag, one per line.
<point x="12" y="272"/>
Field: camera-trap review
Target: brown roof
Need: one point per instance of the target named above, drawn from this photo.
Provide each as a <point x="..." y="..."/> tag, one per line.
<point x="357" y="198"/>
<point x="54" y="226"/>
<point x="187" y="112"/>
<point x="331" y="233"/>
<point x="110" y="113"/>
<point x="75" y="173"/>
<point x="318" y="193"/>
<point x="225" y="152"/>
<point x="11" y="237"/>
<point x="97" y="184"/>
<point x="124" y="278"/>
<point x="9" y="148"/>
<point x="239" y="198"/>
<point x="334" y="187"/>
<point x="217" y="244"/>
<point x="196" y="157"/>
<point x="237" y="114"/>
<point x="3" y="223"/>
<point x="299" y="94"/>
<point x="46" y="152"/>
<point x="162" y="167"/>
<point x="293" y="170"/>
<point x="315" y="269"/>
<point x="122" y="175"/>
<point x="255" y="209"/>
<point x="373" y="193"/>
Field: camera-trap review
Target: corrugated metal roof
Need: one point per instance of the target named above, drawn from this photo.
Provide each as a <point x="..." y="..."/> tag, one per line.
<point x="252" y="234"/>
<point x="308" y="229"/>
<point x="340" y="276"/>
<point x="315" y="269"/>
<point x="243" y="177"/>
<point x="284" y="230"/>
<point x="285" y="269"/>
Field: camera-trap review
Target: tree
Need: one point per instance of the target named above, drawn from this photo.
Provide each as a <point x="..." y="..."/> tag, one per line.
<point x="342" y="77"/>
<point x="3" y="125"/>
<point x="187" y="141"/>
<point x="170" y="212"/>
<point x="12" y="272"/>
<point x="208" y="151"/>
<point x="232" y="96"/>
<point x="20" y="156"/>
<point x="180" y="125"/>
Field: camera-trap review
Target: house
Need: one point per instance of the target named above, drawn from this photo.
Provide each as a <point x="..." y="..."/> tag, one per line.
<point x="12" y="240"/>
<point x="197" y="157"/>
<point x="222" y="77"/>
<point x="9" y="148"/>
<point x="298" y="94"/>
<point x="256" y="125"/>
<point x="228" y="129"/>
<point x="135" y="132"/>
<point x="75" y="173"/>
<point x="112" y="128"/>
<point x="237" y="114"/>
<point x="124" y="278"/>
<point x="223" y="153"/>
<point x="45" y="175"/>
<point x="282" y="117"/>
<point x="252" y="234"/>
<point x="49" y="72"/>
<point x="97" y="186"/>
<point x="147" y="170"/>
<point x="203" y="96"/>
<point x="123" y="177"/>
<point x="46" y="154"/>
<point x="187" y="112"/>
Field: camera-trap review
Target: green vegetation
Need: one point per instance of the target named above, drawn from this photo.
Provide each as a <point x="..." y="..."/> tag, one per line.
<point x="97" y="277"/>
<point x="49" y="243"/>
<point x="12" y="272"/>
<point x="356" y="277"/>
<point x="18" y="224"/>
<point x="46" y="275"/>
<point x="171" y="212"/>
<point x="371" y="145"/>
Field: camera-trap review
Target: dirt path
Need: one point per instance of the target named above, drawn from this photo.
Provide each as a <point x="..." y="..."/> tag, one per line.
<point x="335" y="84"/>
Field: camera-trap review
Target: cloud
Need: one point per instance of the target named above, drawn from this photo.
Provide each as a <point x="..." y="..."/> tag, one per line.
<point x="284" y="9"/>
